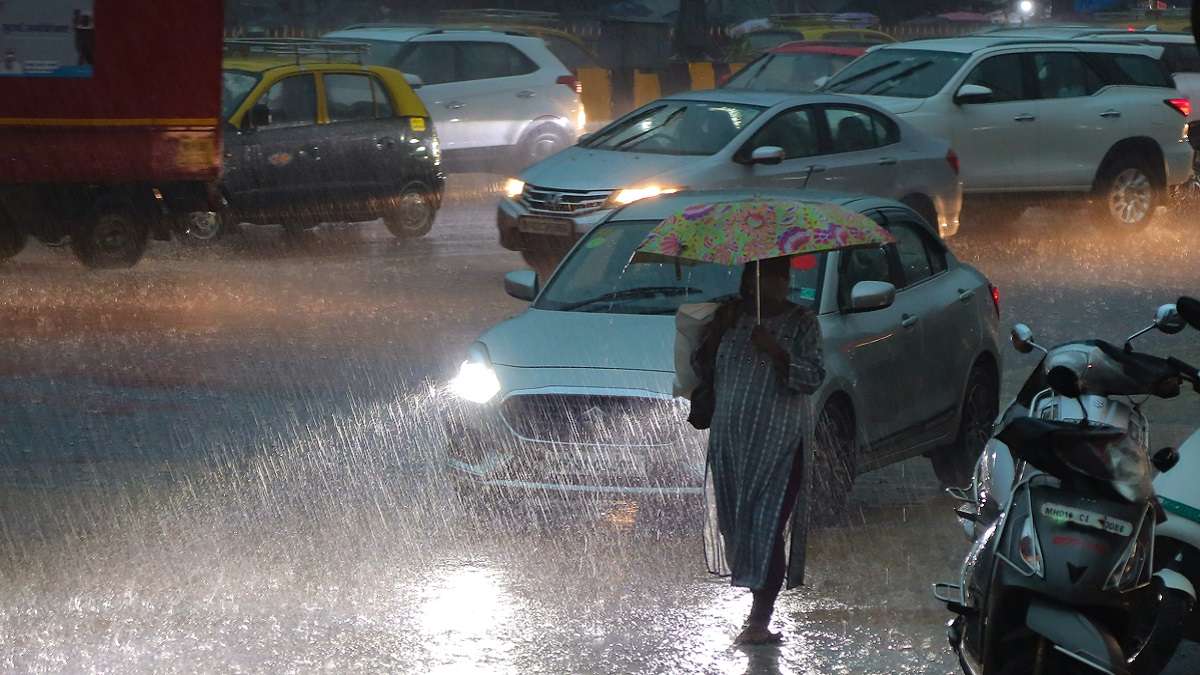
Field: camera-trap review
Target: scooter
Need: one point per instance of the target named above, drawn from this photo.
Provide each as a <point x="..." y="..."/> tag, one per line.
<point x="1060" y="577"/>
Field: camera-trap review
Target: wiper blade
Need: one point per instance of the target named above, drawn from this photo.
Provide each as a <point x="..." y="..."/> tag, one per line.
<point x="632" y="294"/>
<point x="651" y="130"/>
<point x="858" y="76"/>
<point x="893" y="79"/>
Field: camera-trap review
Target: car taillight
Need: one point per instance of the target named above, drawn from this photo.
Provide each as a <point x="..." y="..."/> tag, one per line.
<point x="995" y="298"/>
<point x="952" y="160"/>
<point x="1183" y="106"/>
<point x="572" y="82"/>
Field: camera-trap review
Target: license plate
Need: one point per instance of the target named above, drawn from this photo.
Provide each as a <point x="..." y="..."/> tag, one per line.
<point x="1087" y="518"/>
<point x="557" y="227"/>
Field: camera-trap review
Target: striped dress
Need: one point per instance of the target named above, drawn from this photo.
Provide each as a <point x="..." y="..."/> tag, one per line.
<point x="761" y="419"/>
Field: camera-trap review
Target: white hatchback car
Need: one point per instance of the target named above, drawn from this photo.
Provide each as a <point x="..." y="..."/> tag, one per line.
<point x="727" y="138"/>
<point x="575" y="393"/>
<point x="1034" y="120"/>
<point x="493" y="95"/>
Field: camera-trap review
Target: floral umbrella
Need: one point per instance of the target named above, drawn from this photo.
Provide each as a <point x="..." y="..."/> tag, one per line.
<point x="736" y="233"/>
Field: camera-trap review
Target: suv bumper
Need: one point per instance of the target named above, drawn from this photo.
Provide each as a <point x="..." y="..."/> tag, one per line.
<point x="1179" y="162"/>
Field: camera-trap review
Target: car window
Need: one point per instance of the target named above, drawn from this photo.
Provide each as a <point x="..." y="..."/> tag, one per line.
<point x="853" y="129"/>
<point x="1004" y="75"/>
<point x="1143" y="70"/>
<point x="349" y="97"/>
<point x="433" y="62"/>
<point x="486" y="60"/>
<point x="292" y="101"/>
<point x="913" y="253"/>
<point x="1064" y="75"/>
<point x="787" y="72"/>
<point x="794" y="130"/>
<point x="572" y="55"/>
<point x="235" y="87"/>
<point x="864" y="264"/>
<point x="1182" y="58"/>
<point x="598" y="277"/>
<point x="383" y="102"/>
<point x="906" y="73"/>
<point x="676" y="128"/>
<point x="383" y="52"/>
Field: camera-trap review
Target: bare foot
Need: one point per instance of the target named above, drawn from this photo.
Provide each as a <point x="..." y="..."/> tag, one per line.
<point x="757" y="635"/>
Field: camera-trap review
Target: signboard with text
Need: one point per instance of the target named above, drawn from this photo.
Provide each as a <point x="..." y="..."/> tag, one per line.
<point x="47" y="38"/>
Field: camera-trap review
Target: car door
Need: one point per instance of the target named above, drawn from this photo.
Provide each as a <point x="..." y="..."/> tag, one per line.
<point x="883" y="347"/>
<point x="350" y="109"/>
<point x="796" y="132"/>
<point x="279" y="157"/>
<point x="442" y="91"/>
<point x="996" y="138"/>
<point x="862" y="151"/>
<point x="1078" y="121"/>
<point x="945" y="303"/>
<point x="502" y="93"/>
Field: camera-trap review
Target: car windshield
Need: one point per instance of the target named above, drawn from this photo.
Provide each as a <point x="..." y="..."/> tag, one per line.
<point x="598" y="277"/>
<point x="905" y="73"/>
<point x="787" y="72"/>
<point x="235" y="85"/>
<point x="676" y="128"/>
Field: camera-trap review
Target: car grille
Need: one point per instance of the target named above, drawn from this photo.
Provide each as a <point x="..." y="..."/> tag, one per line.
<point x="560" y="202"/>
<point x="596" y="420"/>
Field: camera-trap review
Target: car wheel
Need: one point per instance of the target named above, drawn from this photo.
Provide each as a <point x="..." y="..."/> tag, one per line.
<point x="202" y="228"/>
<point x="1127" y="196"/>
<point x="12" y="239"/>
<point x="835" y="464"/>
<point x="412" y="213"/>
<point x="955" y="463"/>
<point x="541" y="142"/>
<point x="113" y="238"/>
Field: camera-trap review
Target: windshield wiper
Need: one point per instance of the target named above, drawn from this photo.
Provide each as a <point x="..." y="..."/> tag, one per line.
<point x="894" y="78"/>
<point x="632" y="294"/>
<point x="858" y="76"/>
<point x="651" y="130"/>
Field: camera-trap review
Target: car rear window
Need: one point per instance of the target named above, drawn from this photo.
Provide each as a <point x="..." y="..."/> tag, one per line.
<point x="906" y="73"/>
<point x="1133" y="69"/>
<point x="787" y="72"/>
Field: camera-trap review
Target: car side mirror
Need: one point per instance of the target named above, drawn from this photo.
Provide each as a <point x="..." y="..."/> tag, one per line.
<point x="1168" y="320"/>
<point x="767" y="154"/>
<point x="521" y="284"/>
<point x="973" y="93"/>
<point x="260" y="115"/>
<point x="414" y="81"/>
<point x="867" y="296"/>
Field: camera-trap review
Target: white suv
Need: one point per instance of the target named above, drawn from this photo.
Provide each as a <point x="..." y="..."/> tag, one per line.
<point x="1034" y="120"/>
<point x="492" y="94"/>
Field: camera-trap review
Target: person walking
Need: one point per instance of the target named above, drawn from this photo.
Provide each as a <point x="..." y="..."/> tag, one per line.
<point x="762" y="358"/>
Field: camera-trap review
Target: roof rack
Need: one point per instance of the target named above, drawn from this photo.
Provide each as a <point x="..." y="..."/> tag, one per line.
<point x="301" y="49"/>
<point x="388" y="24"/>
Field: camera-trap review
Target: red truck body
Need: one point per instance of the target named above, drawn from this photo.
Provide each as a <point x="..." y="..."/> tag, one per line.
<point x="149" y="112"/>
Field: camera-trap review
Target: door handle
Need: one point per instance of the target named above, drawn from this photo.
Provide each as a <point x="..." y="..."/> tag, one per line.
<point x="887" y="161"/>
<point x="908" y="321"/>
<point x="965" y="295"/>
<point x="1024" y="118"/>
<point x="1111" y="114"/>
<point x="455" y="105"/>
<point x="816" y="168"/>
<point x="526" y="93"/>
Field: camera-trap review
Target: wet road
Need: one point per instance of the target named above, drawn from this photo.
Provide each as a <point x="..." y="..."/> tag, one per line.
<point x="221" y="461"/>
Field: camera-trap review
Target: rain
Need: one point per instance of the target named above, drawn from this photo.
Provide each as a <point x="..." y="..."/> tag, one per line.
<point x="238" y="454"/>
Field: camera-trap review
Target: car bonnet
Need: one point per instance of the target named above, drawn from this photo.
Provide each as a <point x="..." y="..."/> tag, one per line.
<point x="584" y="340"/>
<point x="584" y="169"/>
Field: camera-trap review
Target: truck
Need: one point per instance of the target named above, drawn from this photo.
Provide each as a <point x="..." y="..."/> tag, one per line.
<point x="109" y="123"/>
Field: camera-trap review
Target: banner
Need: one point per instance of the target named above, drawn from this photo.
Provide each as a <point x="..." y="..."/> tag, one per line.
<point x="47" y="38"/>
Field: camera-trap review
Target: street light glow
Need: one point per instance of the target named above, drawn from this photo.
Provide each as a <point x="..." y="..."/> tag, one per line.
<point x="1026" y="7"/>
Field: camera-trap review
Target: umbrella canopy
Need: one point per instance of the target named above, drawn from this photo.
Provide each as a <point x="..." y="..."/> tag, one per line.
<point x="735" y="233"/>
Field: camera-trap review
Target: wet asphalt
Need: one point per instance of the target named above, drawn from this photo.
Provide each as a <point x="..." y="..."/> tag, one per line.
<point x="224" y="460"/>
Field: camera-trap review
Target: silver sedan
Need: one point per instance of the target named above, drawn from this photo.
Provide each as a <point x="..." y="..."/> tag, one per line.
<point x="575" y="393"/>
<point x="727" y="139"/>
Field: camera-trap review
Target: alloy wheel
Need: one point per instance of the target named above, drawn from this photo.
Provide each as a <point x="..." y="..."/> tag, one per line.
<point x="203" y="225"/>
<point x="413" y="212"/>
<point x="1131" y="197"/>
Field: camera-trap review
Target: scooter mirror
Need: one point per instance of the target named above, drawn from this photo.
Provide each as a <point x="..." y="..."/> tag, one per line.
<point x="1189" y="308"/>
<point x="1022" y="338"/>
<point x="1168" y="320"/>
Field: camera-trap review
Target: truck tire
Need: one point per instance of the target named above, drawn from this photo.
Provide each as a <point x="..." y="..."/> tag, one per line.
<point x="113" y="238"/>
<point x="202" y="228"/>
<point x="413" y="212"/>
<point x="12" y="239"/>
<point x="1127" y="195"/>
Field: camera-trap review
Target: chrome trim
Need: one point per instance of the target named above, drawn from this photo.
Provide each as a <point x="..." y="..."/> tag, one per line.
<point x="562" y="202"/>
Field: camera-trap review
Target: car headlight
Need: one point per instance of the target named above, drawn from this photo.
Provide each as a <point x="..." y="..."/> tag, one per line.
<point x="513" y="188"/>
<point x="476" y="380"/>
<point x="631" y="195"/>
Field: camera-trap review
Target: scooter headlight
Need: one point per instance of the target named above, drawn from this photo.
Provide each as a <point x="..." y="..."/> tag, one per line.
<point x="476" y="380"/>
<point x="1132" y="570"/>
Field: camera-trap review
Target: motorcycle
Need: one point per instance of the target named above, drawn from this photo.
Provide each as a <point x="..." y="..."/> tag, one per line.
<point x="1062" y="514"/>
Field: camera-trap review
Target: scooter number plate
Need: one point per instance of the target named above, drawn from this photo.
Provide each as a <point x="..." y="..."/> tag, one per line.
<point x="1086" y="518"/>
